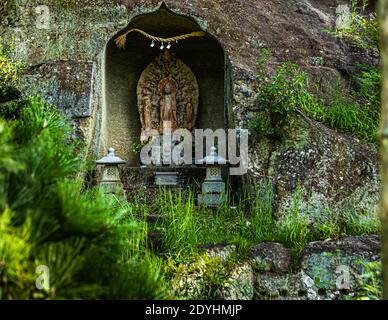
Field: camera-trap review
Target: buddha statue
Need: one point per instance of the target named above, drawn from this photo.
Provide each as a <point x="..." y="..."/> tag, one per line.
<point x="167" y="91"/>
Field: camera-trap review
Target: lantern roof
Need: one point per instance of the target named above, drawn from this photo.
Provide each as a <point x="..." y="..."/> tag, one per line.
<point x="111" y="158"/>
<point x="213" y="158"/>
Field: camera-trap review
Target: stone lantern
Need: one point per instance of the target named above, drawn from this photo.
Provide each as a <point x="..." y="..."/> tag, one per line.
<point x="213" y="188"/>
<point x="110" y="181"/>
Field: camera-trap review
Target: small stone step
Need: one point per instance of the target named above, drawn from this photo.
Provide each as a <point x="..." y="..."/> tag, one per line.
<point x="166" y="179"/>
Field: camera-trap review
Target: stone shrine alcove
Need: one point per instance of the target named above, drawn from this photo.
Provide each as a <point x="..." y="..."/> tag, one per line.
<point x="206" y="86"/>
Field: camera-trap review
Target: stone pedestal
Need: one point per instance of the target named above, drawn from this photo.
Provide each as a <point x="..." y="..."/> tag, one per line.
<point x="168" y="179"/>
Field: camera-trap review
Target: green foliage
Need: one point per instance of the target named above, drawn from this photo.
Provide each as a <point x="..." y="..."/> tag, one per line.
<point x="12" y="110"/>
<point x="96" y="247"/>
<point x="181" y="223"/>
<point x="15" y="277"/>
<point x="359" y="113"/>
<point x="279" y="95"/>
<point x="138" y="145"/>
<point x="287" y="93"/>
<point x="363" y="31"/>
<point x="202" y="277"/>
<point x="370" y="282"/>
<point x="41" y="140"/>
<point x="7" y="149"/>
<point x="92" y="244"/>
<point x="346" y="114"/>
<point x="294" y="225"/>
<point x="261" y="124"/>
<point x="10" y="69"/>
<point x="360" y="223"/>
<point x="255" y="216"/>
<point x="7" y="162"/>
<point x="368" y="86"/>
<point x="186" y="227"/>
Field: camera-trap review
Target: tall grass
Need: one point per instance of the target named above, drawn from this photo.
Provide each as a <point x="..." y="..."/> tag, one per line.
<point x="186" y="227"/>
<point x="346" y="114"/>
<point x="293" y="226"/>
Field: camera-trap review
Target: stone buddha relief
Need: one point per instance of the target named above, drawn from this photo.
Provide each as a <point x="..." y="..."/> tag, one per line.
<point x="167" y="91"/>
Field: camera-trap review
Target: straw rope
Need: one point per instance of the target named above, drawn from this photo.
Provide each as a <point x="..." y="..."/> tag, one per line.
<point x="121" y="40"/>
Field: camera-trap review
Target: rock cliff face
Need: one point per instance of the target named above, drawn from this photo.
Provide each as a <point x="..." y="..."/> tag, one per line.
<point x="293" y="29"/>
<point x="327" y="270"/>
<point x="65" y="64"/>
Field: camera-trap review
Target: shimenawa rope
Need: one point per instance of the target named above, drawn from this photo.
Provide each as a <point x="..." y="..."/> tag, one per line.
<point x="121" y="40"/>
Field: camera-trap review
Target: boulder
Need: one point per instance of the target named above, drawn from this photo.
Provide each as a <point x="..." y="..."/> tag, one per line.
<point x="220" y="251"/>
<point x="329" y="270"/>
<point x="240" y="284"/>
<point x="270" y="256"/>
<point x="338" y="264"/>
<point x="331" y="169"/>
<point x="67" y="84"/>
<point x="272" y="286"/>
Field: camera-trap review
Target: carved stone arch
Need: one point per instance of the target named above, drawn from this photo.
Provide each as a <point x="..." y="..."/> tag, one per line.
<point x="167" y="91"/>
<point x="118" y="122"/>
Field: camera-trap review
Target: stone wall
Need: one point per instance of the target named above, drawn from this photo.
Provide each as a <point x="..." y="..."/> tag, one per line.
<point x="325" y="270"/>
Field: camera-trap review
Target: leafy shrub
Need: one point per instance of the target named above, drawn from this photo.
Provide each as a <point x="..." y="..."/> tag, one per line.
<point x="363" y="31"/>
<point x="279" y="95"/>
<point x="10" y="69"/>
<point x="92" y="244"/>
<point x="287" y="93"/>
<point x="370" y="282"/>
<point x="201" y="277"/>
